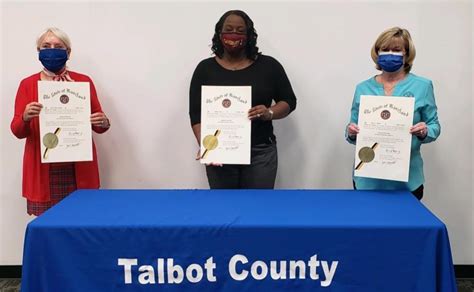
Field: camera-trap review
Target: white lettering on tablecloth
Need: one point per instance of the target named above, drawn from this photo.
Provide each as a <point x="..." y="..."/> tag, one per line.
<point x="176" y="273"/>
<point x="167" y="271"/>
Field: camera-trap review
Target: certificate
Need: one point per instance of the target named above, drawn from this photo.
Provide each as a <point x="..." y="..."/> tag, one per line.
<point x="384" y="142"/>
<point x="225" y="126"/>
<point x="65" y="127"/>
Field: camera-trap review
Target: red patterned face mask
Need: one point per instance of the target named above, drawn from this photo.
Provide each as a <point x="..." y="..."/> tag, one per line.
<point x="233" y="42"/>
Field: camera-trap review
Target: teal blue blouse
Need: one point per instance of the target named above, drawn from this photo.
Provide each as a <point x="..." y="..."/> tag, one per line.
<point x="425" y="111"/>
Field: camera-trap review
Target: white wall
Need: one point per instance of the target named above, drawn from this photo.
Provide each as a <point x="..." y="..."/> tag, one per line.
<point x="142" y="55"/>
<point x="472" y="122"/>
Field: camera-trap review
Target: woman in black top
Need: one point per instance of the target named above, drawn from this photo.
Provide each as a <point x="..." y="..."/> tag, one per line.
<point x="237" y="62"/>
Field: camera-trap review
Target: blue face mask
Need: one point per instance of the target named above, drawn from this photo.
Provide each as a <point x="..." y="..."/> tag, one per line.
<point x="390" y="61"/>
<point x="53" y="59"/>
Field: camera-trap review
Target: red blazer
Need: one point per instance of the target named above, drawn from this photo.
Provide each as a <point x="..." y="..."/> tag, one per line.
<point x="35" y="173"/>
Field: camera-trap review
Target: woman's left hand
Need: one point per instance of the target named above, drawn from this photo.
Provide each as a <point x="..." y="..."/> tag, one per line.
<point x="420" y="130"/>
<point x="100" y="119"/>
<point x="260" y="112"/>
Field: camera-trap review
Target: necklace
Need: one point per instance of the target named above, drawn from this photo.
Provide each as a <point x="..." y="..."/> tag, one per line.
<point x="388" y="86"/>
<point x="234" y="65"/>
<point x="238" y="65"/>
<point x="388" y="89"/>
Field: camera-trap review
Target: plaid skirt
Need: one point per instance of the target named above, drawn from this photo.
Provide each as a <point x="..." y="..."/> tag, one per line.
<point x="62" y="182"/>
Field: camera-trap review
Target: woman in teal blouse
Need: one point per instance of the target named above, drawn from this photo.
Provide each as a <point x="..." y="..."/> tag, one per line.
<point x="393" y="54"/>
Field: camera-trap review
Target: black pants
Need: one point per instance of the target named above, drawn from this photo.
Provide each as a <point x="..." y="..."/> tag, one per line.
<point x="418" y="193"/>
<point x="260" y="174"/>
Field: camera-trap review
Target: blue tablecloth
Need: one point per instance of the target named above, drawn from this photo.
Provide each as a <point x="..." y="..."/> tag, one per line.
<point x="240" y="240"/>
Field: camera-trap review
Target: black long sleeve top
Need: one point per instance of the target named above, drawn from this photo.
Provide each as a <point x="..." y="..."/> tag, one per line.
<point x="267" y="78"/>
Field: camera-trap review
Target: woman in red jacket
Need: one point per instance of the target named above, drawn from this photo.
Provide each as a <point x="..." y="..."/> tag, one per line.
<point x="45" y="184"/>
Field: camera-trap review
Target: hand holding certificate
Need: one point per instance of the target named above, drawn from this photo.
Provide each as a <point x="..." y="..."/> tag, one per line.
<point x="384" y="142"/>
<point x="225" y="127"/>
<point x="65" y="127"/>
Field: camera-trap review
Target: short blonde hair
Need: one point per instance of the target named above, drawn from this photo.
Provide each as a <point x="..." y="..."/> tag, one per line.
<point x="58" y="33"/>
<point x="384" y="40"/>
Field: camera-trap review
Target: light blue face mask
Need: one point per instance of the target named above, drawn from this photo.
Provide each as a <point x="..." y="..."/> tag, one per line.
<point x="390" y="61"/>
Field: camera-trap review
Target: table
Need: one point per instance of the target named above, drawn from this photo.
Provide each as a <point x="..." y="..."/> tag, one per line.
<point x="237" y="240"/>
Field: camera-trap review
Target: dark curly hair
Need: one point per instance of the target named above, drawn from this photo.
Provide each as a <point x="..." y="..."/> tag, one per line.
<point x="251" y="49"/>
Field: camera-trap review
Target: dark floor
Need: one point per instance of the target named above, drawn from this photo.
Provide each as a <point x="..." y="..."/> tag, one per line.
<point x="465" y="285"/>
<point x="13" y="285"/>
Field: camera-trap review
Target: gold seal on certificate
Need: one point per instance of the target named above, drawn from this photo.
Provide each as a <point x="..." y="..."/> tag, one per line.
<point x="66" y="110"/>
<point x="50" y="141"/>
<point x="210" y="142"/>
<point x="366" y="155"/>
<point x="225" y="126"/>
<point x="384" y="141"/>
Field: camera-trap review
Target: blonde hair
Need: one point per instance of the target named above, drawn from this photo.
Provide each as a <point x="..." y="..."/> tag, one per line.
<point x="384" y="40"/>
<point x="58" y="33"/>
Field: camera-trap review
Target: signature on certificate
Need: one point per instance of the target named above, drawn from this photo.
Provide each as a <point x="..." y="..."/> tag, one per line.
<point x="73" y="145"/>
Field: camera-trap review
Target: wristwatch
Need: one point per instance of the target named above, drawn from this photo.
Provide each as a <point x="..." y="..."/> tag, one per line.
<point x="271" y="114"/>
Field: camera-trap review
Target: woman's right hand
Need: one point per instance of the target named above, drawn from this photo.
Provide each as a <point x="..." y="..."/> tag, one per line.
<point x="32" y="110"/>
<point x="198" y="157"/>
<point x="352" y="130"/>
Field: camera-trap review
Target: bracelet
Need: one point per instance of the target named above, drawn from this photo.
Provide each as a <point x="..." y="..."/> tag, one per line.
<point x="106" y="124"/>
